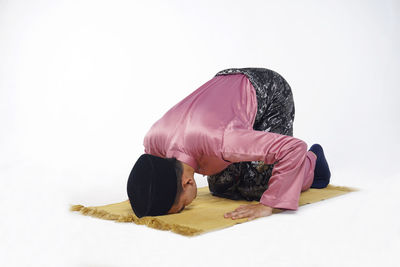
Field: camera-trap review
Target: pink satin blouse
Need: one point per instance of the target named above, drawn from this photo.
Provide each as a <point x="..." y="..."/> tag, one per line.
<point x="213" y="127"/>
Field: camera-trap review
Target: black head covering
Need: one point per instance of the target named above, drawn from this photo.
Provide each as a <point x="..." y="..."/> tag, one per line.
<point x="152" y="186"/>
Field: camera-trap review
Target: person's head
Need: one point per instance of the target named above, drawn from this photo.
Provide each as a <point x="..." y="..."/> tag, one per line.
<point x="186" y="186"/>
<point x="159" y="186"/>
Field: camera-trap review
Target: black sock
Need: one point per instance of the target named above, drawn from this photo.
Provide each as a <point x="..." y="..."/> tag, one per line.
<point x="322" y="173"/>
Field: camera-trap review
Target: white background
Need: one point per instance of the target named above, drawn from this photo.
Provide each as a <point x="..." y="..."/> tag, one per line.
<point x="81" y="82"/>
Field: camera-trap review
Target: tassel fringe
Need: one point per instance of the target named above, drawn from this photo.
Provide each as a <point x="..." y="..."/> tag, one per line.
<point x="343" y="188"/>
<point x="152" y="222"/>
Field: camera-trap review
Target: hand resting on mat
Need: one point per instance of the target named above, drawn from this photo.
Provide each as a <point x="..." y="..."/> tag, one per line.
<point x="250" y="211"/>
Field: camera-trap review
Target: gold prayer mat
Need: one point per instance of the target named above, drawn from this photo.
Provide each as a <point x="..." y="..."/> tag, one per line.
<point x="204" y="214"/>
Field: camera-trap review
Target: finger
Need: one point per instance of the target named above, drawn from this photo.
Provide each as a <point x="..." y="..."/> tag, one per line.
<point x="228" y="214"/>
<point x="242" y="215"/>
<point x="241" y="207"/>
<point x="240" y="212"/>
<point x="245" y="207"/>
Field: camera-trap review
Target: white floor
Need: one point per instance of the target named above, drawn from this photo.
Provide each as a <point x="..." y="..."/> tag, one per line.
<point x="358" y="229"/>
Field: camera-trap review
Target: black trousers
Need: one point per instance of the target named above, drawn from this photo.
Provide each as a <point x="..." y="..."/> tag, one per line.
<point x="275" y="113"/>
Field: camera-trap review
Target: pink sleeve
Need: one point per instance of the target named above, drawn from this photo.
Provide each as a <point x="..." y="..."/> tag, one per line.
<point x="289" y="155"/>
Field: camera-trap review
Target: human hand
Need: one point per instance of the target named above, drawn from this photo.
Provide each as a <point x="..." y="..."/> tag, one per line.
<point x="251" y="211"/>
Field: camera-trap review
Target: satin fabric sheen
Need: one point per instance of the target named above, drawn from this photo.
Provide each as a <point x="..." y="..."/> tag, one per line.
<point x="213" y="127"/>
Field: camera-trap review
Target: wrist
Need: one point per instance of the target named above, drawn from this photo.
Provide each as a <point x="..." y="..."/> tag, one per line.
<point x="266" y="206"/>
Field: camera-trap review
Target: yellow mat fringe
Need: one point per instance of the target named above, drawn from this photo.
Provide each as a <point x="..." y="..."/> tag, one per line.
<point x="203" y="215"/>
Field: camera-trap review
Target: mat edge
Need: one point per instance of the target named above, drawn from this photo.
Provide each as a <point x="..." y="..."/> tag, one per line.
<point x="152" y="222"/>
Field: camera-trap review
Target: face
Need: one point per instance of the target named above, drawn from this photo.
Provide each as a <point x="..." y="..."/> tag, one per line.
<point x="188" y="194"/>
